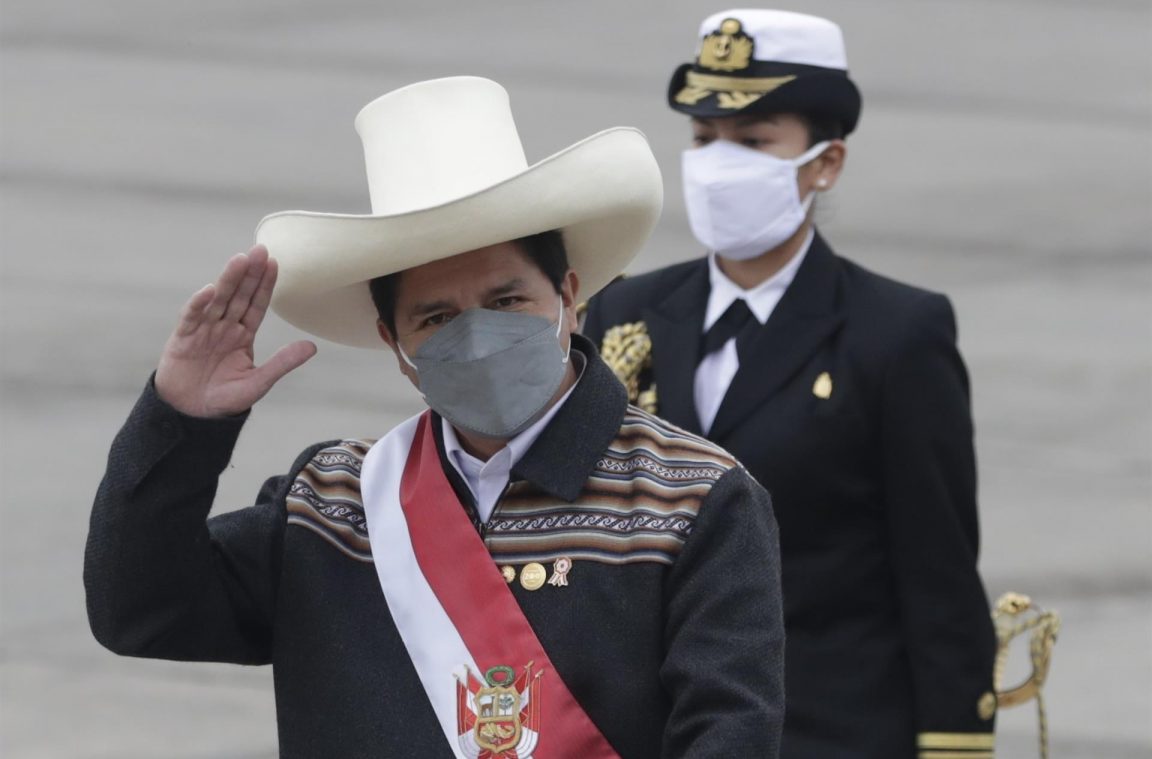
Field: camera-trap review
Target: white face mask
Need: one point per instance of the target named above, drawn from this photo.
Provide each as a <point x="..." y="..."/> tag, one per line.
<point x="743" y="202"/>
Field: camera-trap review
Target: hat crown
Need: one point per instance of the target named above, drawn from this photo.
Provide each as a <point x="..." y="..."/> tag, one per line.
<point x="437" y="141"/>
<point x="783" y="37"/>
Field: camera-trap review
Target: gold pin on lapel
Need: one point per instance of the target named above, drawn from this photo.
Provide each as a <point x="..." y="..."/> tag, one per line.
<point x="509" y="573"/>
<point x="533" y="575"/>
<point x="560" y="571"/>
<point x="822" y="387"/>
<point x="986" y="706"/>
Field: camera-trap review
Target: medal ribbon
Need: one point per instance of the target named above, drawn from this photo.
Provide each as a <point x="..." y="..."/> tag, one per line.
<point x="478" y="601"/>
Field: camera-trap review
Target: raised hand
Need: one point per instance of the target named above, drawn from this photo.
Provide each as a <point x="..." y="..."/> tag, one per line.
<point x="207" y="367"/>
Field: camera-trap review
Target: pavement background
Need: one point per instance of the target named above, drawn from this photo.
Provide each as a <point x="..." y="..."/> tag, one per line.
<point x="1004" y="157"/>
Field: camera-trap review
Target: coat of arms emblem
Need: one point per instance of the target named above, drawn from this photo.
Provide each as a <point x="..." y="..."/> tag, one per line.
<point x="728" y="48"/>
<point x="499" y="717"/>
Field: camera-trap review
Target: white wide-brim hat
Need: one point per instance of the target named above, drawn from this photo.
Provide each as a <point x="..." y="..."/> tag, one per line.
<point x="447" y="174"/>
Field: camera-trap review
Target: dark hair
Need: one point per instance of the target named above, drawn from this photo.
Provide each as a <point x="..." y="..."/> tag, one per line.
<point x="545" y="249"/>
<point x="822" y="128"/>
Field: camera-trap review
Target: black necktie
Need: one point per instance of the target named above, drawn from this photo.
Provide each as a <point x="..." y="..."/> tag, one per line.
<point x="735" y="319"/>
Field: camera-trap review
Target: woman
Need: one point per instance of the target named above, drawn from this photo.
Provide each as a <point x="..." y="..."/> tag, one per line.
<point x="842" y="391"/>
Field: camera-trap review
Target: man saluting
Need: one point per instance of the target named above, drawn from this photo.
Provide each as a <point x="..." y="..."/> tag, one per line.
<point x="531" y="567"/>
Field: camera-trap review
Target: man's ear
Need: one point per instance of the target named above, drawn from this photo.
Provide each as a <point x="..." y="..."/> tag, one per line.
<point x="569" y="290"/>
<point x="386" y="334"/>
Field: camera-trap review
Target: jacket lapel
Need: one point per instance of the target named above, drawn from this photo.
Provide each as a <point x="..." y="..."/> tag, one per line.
<point x="804" y="319"/>
<point x="563" y="457"/>
<point x="675" y="325"/>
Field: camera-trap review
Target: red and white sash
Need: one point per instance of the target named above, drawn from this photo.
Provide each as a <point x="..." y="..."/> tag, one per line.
<point x="456" y="614"/>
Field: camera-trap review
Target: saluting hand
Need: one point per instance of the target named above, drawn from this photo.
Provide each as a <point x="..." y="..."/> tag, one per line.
<point x="207" y="366"/>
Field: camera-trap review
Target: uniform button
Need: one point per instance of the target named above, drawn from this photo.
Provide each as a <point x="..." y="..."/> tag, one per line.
<point x="986" y="706"/>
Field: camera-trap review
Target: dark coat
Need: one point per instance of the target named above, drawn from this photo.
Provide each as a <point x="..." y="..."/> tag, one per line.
<point x="889" y="634"/>
<point x="669" y="633"/>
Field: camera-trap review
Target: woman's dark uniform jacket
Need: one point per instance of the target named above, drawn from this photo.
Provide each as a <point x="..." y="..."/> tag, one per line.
<point x="874" y="487"/>
<point x="669" y="633"/>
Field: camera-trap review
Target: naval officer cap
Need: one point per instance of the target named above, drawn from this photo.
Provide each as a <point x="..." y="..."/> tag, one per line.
<point x="766" y="61"/>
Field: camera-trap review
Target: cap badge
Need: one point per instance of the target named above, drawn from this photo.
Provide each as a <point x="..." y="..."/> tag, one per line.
<point x="726" y="49"/>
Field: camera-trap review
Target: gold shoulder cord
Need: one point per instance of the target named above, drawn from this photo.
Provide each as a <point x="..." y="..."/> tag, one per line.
<point x="627" y="349"/>
<point x="1014" y="615"/>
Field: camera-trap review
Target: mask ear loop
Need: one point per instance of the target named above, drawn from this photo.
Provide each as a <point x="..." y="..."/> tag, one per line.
<point x="404" y="356"/>
<point x="811" y="154"/>
<point x="408" y="361"/>
<point x="559" y="326"/>
<point x="807" y="157"/>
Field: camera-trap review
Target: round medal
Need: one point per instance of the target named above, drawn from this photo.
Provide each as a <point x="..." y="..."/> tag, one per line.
<point x="532" y="576"/>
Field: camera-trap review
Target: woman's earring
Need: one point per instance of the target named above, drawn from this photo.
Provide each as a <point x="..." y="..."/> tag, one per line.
<point x="821" y="183"/>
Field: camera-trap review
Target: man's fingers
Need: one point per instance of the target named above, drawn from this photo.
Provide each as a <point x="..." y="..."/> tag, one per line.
<point x="258" y="307"/>
<point x="192" y="316"/>
<point x="226" y="286"/>
<point x="238" y="305"/>
<point x="283" y="361"/>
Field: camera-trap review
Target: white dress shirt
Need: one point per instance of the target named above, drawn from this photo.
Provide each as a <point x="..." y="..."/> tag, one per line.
<point x="487" y="479"/>
<point x="715" y="372"/>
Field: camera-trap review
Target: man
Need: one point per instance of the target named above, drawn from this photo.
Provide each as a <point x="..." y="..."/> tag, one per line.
<point x="529" y="568"/>
<point x="841" y="391"/>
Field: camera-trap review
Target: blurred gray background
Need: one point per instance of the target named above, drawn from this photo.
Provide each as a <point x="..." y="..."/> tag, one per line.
<point x="1004" y="157"/>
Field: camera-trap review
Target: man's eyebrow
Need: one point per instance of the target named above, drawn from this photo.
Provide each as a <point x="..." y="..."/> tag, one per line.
<point x="420" y="309"/>
<point x="510" y="286"/>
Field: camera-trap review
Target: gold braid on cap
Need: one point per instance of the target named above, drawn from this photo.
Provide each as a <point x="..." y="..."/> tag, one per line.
<point x="727" y="49"/>
<point x="627" y="349"/>
<point x="731" y="91"/>
<point x="1014" y="615"/>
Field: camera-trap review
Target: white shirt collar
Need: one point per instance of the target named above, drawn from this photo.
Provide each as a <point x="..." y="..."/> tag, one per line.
<point x="487" y="479"/>
<point x="761" y="299"/>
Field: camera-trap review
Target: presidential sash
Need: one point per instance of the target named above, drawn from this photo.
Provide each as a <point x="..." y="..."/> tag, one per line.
<point x="488" y="678"/>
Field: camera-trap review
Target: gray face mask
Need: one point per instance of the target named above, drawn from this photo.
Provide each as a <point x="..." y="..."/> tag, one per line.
<point x="491" y="372"/>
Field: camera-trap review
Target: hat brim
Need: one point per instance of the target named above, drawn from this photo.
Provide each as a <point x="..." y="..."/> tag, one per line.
<point x="604" y="194"/>
<point x="829" y="95"/>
